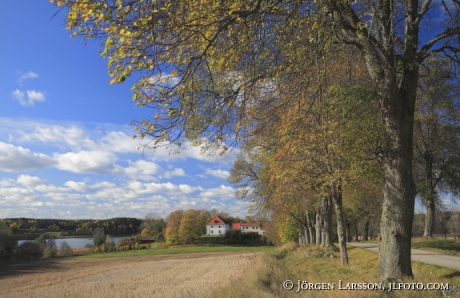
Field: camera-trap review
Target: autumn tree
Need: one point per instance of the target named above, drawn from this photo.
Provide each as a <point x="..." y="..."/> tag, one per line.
<point x="191" y="225"/>
<point x="437" y="136"/>
<point x="152" y="225"/>
<point x="207" y="67"/>
<point x="173" y="225"/>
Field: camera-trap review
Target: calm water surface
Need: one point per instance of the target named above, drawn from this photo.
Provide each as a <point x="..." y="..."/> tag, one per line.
<point x="75" y="242"/>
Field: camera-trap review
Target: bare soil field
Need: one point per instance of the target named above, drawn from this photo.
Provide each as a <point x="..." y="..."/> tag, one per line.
<point x="180" y="275"/>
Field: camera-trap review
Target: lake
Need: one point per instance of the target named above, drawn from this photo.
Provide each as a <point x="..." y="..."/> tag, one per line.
<point x="75" y="242"/>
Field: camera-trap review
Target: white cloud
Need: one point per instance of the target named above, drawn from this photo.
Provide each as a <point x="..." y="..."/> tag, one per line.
<point x="103" y="184"/>
<point x="223" y="192"/>
<point x="142" y="170"/>
<point x="218" y="173"/>
<point x="14" y="159"/>
<point x="16" y="195"/>
<point x="51" y="189"/>
<point x="175" y="172"/>
<point x="32" y="97"/>
<point x="72" y="136"/>
<point x="29" y="181"/>
<point x="7" y="182"/>
<point x="117" y="141"/>
<point x="78" y="186"/>
<point x="26" y="76"/>
<point x="93" y="162"/>
<point x="19" y="96"/>
<point x="162" y="188"/>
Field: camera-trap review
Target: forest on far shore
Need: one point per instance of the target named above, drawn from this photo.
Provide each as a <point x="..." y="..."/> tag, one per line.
<point x="28" y="228"/>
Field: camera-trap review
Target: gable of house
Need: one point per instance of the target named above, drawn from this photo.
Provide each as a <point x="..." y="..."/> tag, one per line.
<point x="216" y="220"/>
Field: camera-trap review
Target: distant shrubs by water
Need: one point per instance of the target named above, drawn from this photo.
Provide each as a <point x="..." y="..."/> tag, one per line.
<point x="28" y="251"/>
<point x="65" y="250"/>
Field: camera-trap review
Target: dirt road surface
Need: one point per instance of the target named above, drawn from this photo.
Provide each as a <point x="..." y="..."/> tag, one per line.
<point x="418" y="255"/>
<point x="180" y="275"/>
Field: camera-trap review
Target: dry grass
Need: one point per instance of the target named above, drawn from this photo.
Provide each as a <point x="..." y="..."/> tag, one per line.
<point x="190" y="275"/>
<point x="363" y="268"/>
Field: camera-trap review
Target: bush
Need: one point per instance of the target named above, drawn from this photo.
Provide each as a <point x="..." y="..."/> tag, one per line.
<point x="109" y="244"/>
<point x="99" y="237"/>
<point x="48" y="245"/>
<point x="160" y="238"/>
<point x="88" y="245"/>
<point x="29" y="251"/>
<point x="65" y="250"/>
<point x="233" y="236"/>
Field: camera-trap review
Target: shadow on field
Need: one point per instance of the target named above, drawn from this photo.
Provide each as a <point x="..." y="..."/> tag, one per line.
<point x="15" y="268"/>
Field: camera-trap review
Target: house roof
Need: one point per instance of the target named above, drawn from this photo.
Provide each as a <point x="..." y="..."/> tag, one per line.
<point x="216" y="220"/>
<point x="236" y="226"/>
<point x="250" y="224"/>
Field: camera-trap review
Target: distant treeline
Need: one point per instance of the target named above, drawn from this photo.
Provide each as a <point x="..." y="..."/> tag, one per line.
<point x="73" y="227"/>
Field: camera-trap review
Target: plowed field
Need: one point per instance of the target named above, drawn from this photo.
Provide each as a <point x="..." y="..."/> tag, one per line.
<point x="181" y="275"/>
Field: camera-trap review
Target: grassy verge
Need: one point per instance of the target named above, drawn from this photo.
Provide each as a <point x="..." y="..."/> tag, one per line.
<point x="451" y="247"/>
<point x="177" y="250"/>
<point x="294" y="264"/>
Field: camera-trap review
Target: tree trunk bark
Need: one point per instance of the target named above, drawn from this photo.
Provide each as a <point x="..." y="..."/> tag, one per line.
<point x="355" y="224"/>
<point x="337" y="198"/>
<point x="301" y="237"/>
<point x="429" y="218"/>
<point x="326" y="221"/>
<point x="318" y="226"/>
<point x="399" y="187"/>
<point x="348" y="234"/>
<point x="366" y="231"/>
<point x="310" y="228"/>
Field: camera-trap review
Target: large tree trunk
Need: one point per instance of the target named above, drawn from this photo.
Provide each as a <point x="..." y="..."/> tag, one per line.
<point x="355" y="225"/>
<point x="318" y="226"/>
<point x="366" y="231"/>
<point x="429" y="218"/>
<point x="337" y="197"/>
<point x="348" y="234"/>
<point x="429" y="199"/>
<point x="310" y="227"/>
<point x="399" y="187"/>
<point x="326" y="221"/>
<point x="301" y="237"/>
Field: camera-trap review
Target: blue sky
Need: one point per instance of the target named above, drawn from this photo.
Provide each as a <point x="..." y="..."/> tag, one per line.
<point x="66" y="147"/>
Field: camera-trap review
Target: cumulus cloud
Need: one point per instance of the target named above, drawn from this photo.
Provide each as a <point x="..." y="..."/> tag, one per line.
<point x="32" y="97"/>
<point x="72" y="136"/>
<point x="29" y="181"/>
<point x="175" y="172"/>
<point x="26" y="76"/>
<point x="218" y="173"/>
<point x="16" y="158"/>
<point x="78" y="186"/>
<point x="118" y="141"/>
<point x="223" y="192"/>
<point x="16" y="196"/>
<point x="92" y="162"/>
<point x="163" y="188"/>
<point x="142" y="170"/>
